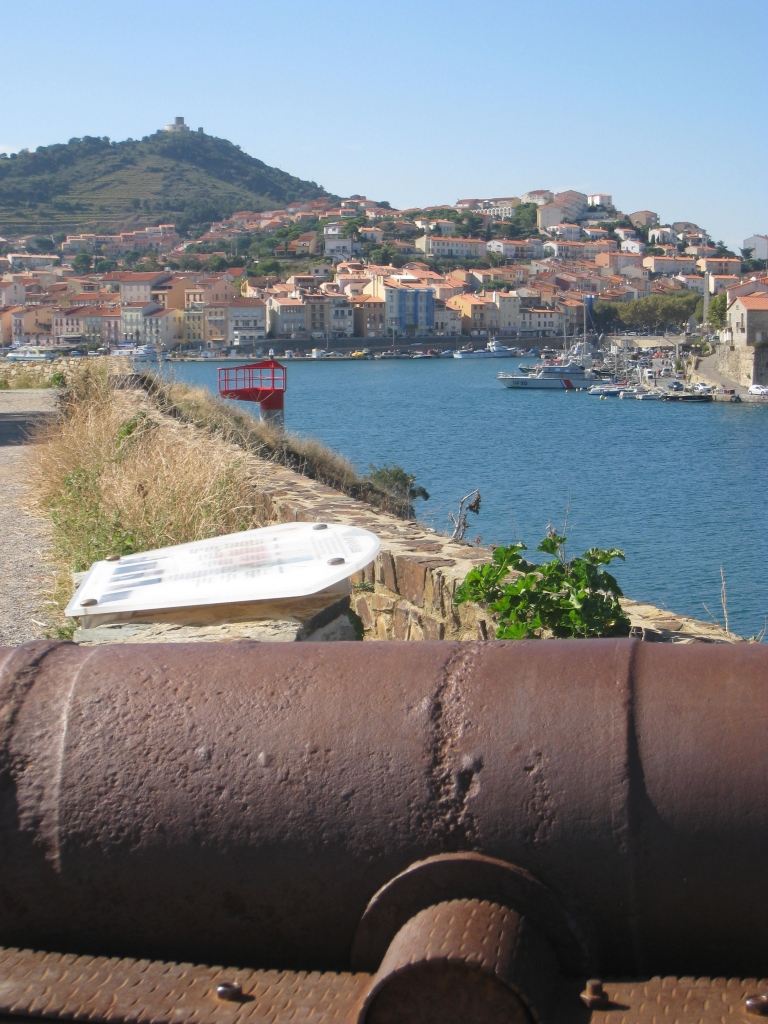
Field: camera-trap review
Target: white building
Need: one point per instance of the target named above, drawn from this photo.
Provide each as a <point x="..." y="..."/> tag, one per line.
<point x="501" y="209"/>
<point x="445" y="246"/>
<point x="540" y="196"/>
<point x="246" y="321"/>
<point x="759" y="246"/>
<point x="633" y="245"/>
<point x="568" y="232"/>
<point x="12" y="293"/>
<point x="549" y="215"/>
<point x="525" y="249"/>
<point x="599" y="199"/>
<point x="662" y="236"/>
<point x="336" y="246"/>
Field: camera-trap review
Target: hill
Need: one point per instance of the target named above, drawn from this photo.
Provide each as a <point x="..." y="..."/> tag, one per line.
<point x="93" y="184"/>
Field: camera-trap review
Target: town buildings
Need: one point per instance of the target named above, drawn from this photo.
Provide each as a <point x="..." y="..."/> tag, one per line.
<point x="457" y="273"/>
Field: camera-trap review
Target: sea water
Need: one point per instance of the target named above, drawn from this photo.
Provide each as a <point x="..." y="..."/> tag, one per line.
<point x="680" y="488"/>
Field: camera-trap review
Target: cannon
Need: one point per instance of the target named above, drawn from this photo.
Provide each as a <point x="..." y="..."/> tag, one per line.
<point x="466" y="827"/>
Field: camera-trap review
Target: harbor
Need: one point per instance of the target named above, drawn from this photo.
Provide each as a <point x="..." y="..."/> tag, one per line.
<point x="679" y="489"/>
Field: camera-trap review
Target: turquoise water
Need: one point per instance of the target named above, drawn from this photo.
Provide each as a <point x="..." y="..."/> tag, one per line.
<point x="682" y="489"/>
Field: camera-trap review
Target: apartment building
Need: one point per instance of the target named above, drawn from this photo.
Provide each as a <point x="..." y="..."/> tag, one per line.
<point x="541" y="323"/>
<point x="341" y="322"/>
<point x="12" y="293"/>
<point x="718" y="265"/>
<point x="445" y="246"/>
<point x="132" y="317"/>
<point x="369" y="316"/>
<point x="748" y="319"/>
<point x="479" y="313"/>
<point x="246" y="321"/>
<point x="670" y="265"/>
<point x="210" y="289"/>
<point x="286" y="316"/>
<point x="527" y="249"/>
<point x="644" y="219"/>
<point x="193" y="325"/>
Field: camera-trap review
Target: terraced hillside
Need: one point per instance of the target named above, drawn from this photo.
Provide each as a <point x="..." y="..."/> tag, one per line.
<point x="93" y="184"/>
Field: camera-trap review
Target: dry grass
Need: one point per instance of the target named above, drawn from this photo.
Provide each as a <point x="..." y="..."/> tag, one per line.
<point x="113" y="480"/>
<point x="305" y="455"/>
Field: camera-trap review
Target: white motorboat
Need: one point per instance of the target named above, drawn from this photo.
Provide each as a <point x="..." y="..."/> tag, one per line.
<point x="634" y="391"/>
<point x="566" y="377"/>
<point x="651" y="396"/>
<point x="30" y="354"/>
<point x="493" y="350"/>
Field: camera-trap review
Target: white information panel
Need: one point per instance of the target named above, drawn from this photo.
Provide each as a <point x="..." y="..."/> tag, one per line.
<point x="290" y="560"/>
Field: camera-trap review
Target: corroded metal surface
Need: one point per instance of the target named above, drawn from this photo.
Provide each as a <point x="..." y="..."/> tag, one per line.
<point x="434" y="961"/>
<point x="56" y="987"/>
<point x="246" y="802"/>
<point x="116" y="991"/>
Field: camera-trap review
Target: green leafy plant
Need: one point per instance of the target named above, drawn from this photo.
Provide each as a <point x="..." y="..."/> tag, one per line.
<point x="561" y="597"/>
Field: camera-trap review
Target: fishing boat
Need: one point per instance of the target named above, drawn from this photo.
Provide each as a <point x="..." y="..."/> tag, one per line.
<point x="493" y="350"/>
<point x="564" y="377"/>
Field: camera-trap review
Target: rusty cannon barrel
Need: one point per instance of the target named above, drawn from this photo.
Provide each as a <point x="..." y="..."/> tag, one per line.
<point x="531" y="809"/>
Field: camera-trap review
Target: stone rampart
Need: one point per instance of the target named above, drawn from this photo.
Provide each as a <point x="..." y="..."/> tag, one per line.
<point x="736" y="363"/>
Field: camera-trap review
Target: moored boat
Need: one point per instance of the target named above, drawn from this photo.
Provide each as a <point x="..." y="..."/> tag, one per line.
<point x="493" y="350"/>
<point x="565" y="377"/>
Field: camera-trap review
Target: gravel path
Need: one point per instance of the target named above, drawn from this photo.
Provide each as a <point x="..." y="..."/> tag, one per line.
<point x="26" y="575"/>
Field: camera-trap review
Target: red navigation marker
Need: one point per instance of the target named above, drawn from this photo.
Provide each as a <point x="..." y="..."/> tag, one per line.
<point x="263" y="382"/>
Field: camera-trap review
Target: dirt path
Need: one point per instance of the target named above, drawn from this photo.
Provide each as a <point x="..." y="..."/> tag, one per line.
<point x="26" y="576"/>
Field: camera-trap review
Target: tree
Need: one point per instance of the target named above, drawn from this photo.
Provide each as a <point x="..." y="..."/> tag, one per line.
<point x="267" y="267"/>
<point x="217" y="263"/>
<point x="722" y="250"/>
<point x="104" y="266"/>
<point x="395" y="481"/>
<point x="82" y="263"/>
<point x="44" y="244"/>
<point x="718" y="311"/>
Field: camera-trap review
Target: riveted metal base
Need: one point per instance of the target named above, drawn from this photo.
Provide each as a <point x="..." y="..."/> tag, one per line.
<point x="52" y="986"/>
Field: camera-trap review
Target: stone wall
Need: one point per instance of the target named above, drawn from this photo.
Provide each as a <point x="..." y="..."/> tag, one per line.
<point x="38" y="374"/>
<point x="737" y="363"/>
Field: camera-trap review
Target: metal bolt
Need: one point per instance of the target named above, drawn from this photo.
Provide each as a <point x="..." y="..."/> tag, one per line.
<point x="320" y="526"/>
<point x="88" y="601"/>
<point x="594" y="995"/>
<point x="230" y="991"/>
<point x="757" y="1005"/>
<point x="336" y="561"/>
<point x="112" y="558"/>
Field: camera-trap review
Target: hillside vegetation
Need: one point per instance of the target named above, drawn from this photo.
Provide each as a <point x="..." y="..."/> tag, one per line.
<point x="93" y="184"/>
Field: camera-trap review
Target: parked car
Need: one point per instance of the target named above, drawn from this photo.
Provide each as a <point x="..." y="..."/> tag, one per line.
<point x="757" y="389"/>
<point x="675" y="385"/>
<point x="703" y="389"/>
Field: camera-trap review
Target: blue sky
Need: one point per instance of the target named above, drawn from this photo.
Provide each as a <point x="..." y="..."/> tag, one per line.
<point x="661" y="104"/>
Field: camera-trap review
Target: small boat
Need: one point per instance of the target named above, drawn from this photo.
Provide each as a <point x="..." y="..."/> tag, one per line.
<point x="632" y="392"/>
<point x="688" y="396"/>
<point x="654" y="395"/>
<point x="566" y="377"/>
<point x="493" y="350"/>
<point x="30" y="354"/>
